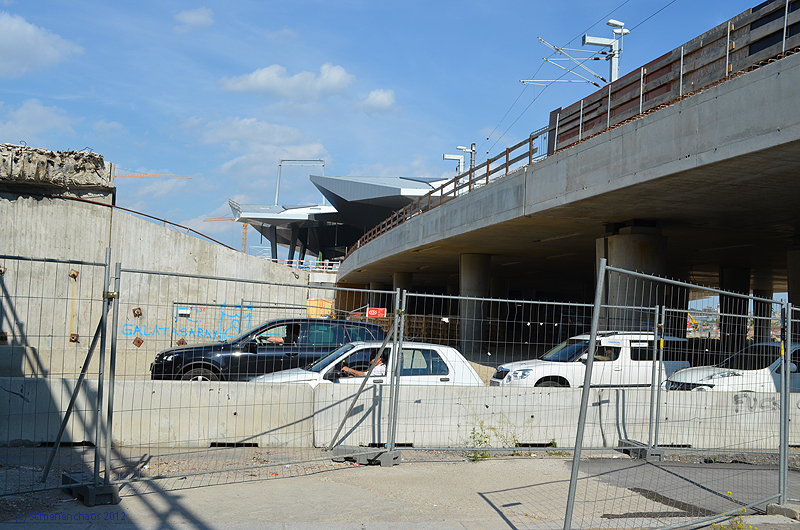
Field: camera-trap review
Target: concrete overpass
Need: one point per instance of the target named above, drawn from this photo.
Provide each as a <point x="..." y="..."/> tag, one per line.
<point x="706" y="190"/>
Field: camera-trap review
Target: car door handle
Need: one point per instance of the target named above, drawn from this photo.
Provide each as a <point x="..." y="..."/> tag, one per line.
<point x="444" y="379"/>
<point x="292" y="353"/>
<point x="377" y="380"/>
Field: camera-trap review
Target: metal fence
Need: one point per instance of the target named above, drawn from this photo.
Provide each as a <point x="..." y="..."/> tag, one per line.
<point x="471" y="377"/>
<point x="706" y="441"/>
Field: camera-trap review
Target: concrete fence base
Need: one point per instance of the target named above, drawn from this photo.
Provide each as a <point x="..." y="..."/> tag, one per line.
<point x="191" y="414"/>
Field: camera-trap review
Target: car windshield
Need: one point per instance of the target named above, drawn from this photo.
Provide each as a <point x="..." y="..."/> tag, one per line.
<point x="241" y="336"/>
<point x="755" y="357"/>
<point x="567" y="351"/>
<point x="320" y="364"/>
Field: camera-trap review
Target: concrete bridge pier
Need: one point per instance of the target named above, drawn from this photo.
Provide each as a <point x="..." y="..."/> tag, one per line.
<point x="762" y="311"/>
<point x="402" y="281"/>
<point x="733" y="311"/>
<point x="635" y="248"/>
<point x="474" y="281"/>
<point x="793" y="287"/>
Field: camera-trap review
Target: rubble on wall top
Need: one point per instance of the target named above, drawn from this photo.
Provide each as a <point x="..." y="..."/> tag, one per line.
<point x="20" y="164"/>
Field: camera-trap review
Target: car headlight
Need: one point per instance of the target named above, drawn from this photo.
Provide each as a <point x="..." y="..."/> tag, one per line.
<point x="168" y="358"/>
<point x="702" y="388"/>
<point x="518" y="374"/>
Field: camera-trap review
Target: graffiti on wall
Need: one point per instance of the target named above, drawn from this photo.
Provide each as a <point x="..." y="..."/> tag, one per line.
<point x="198" y="323"/>
<point x="752" y="402"/>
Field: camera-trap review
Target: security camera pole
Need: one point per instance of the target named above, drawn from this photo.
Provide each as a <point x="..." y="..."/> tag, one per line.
<point x="614" y="45"/>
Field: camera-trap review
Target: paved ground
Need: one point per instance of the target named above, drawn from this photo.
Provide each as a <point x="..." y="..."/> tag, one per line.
<point x="425" y="493"/>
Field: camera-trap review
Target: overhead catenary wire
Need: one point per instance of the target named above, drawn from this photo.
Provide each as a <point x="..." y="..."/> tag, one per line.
<point x="544" y="61"/>
<point x="525" y="87"/>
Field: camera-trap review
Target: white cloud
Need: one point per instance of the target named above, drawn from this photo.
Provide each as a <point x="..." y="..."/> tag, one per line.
<point x="245" y="134"/>
<point x="192" y="19"/>
<point x="273" y="81"/>
<point x="282" y="35"/>
<point x="378" y="101"/>
<point x="31" y="120"/>
<point x="27" y="48"/>
<point x="256" y="145"/>
<point x="109" y="128"/>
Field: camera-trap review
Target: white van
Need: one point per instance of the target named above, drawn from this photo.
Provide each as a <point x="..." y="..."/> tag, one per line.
<point x="622" y="359"/>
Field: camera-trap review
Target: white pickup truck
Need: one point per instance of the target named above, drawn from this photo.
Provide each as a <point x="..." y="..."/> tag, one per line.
<point x="622" y="359"/>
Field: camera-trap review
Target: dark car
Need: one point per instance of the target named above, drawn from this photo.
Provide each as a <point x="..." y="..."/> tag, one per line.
<point x="270" y="347"/>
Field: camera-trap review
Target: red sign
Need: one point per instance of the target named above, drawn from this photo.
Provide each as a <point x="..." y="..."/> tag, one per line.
<point x="376" y="311"/>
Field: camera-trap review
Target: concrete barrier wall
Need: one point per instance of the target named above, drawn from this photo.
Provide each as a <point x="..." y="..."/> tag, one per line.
<point x="178" y="414"/>
<point x="153" y="413"/>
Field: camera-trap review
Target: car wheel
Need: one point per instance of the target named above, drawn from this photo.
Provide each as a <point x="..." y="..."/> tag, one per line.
<point x="552" y="384"/>
<point x="200" y="374"/>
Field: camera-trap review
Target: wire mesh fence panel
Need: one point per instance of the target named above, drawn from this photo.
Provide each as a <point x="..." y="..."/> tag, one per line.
<point x="686" y="424"/>
<point x="213" y="373"/>
<point x="472" y="378"/>
<point x="50" y="314"/>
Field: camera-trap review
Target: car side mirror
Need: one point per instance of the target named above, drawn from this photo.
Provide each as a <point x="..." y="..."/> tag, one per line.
<point x="792" y="368"/>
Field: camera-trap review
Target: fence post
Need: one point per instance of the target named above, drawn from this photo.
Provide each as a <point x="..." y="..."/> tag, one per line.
<point x="680" y="82"/>
<point x="487" y="169"/>
<point x="530" y="148"/>
<point x="506" y="162"/>
<point x="786" y="339"/>
<point x="728" y="50"/>
<point x="608" y="116"/>
<point x="587" y="379"/>
<point x="555" y="136"/>
<point x="101" y="368"/>
<point x="400" y="313"/>
<point x="783" y="46"/>
<point x="659" y="318"/>
<point x="580" y="124"/>
<point x="112" y="371"/>
<point x="641" y="88"/>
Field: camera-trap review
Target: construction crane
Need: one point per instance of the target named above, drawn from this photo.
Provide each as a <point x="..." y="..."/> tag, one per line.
<point x="244" y="229"/>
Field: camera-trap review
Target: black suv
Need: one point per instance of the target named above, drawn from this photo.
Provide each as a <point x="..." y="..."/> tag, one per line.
<point x="269" y="347"/>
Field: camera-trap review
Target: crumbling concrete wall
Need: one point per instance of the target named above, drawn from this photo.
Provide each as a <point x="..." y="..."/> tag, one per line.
<point x="63" y="169"/>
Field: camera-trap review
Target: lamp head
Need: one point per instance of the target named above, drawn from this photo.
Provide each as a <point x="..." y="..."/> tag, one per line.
<point x="621" y="31"/>
<point x="615" y="23"/>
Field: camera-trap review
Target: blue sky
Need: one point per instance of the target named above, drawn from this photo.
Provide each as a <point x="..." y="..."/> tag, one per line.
<point x="222" y="90"/>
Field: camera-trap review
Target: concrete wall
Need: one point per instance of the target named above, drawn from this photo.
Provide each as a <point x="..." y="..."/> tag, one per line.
<point x="42" y="304"/>
<point x="176" y="414"/>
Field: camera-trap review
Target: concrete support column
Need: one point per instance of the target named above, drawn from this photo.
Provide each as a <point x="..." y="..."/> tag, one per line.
<point x="793" y="277"/>
<point x="293" y="242"/>
<point x="474" y="281"/>
<point x="733" y="311"/>
<point x="402" y="280"/>
<point x="634" y="248"/>
<point x="380" y="299"/>
<point x="273" y="240"/>
<point x="762" y="316"/>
